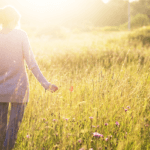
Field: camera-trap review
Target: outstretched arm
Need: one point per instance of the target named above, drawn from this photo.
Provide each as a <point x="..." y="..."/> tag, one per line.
<point x="31" y="62"/>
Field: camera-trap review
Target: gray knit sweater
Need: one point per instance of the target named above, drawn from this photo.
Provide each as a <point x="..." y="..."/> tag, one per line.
<point x="14" y="49"/>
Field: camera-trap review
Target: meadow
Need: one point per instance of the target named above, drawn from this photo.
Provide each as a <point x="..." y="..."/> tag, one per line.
<point x="103" y="101"/>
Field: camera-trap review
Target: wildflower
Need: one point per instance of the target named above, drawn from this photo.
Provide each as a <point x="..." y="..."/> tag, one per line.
<point x="91" y="118"/>
<point x="91" y="149"/>
<point x="73" y="119"/>
<point x="71" y="88"/>
<point x="66" y="119"/>
<point x="146" y="125"/>
<point x="96" y="134"/>
<point x="93" y="126"/>
<point x="81" y="149"/>
<point x="79" y="141"/>
<point x="101" y="135"/>
<point x="54" y="120"/>
<point x="106" y="124"/>
<point x="28" y="136"/>
<point x="128" y="107"/>
<point x="106" y="139"/>
<point x="126" y="110"/>
<point x="98" y="126"/>
<point x="117" y="123"/>
<point x="44" y="119"/>
<point x="56" y="134"/>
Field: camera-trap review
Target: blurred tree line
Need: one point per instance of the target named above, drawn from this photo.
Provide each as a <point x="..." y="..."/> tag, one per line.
<point x="115" y="12"/>
<point x="142" y="7"/>
<point x="96" y="12"/>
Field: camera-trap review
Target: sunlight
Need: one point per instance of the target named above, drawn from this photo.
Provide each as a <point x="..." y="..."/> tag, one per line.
<point x="53" y="10"/>
<point x="60" y="11"/>
<point x="50" y="8"/>
<point x="105" y="1"/>
<point x="52" y="3"/>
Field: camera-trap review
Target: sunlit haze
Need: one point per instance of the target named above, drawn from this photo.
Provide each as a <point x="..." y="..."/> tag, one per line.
<point x="105" y="1"/>
<point x="58" y="10"/>
<point x="54" y="10"/>
<point x="66" y="12"/>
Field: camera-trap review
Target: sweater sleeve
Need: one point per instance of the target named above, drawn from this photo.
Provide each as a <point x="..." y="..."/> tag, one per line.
<point x="31" y="62"/>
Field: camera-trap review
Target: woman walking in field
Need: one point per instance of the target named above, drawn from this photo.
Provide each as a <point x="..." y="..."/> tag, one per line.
<point x="14" y="86"/>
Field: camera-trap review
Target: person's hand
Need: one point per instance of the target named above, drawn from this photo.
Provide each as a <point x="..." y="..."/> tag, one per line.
<point x="52" y="88"/>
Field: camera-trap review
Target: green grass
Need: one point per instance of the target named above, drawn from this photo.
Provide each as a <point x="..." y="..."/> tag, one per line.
<point x="107" y="75"/>
<point x="140" y="35"/>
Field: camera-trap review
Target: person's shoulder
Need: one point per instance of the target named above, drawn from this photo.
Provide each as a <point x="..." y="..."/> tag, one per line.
<point x="21" y="31"/>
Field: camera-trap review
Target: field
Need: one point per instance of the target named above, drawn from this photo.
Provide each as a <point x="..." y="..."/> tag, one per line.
<point x="103" y="101"/>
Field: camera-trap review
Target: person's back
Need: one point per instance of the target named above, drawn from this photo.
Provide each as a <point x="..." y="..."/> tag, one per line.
<point x="14" y="85"/>
<point x="12" y="71"/>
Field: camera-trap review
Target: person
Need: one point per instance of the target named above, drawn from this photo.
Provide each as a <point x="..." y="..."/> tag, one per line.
<point x="14" y="84"/>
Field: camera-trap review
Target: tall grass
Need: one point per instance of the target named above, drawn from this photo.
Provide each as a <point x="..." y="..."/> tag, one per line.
<point x="110" y="95"/>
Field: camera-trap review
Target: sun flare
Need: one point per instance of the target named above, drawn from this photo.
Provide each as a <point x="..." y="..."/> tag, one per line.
<point x="53" y="10"/>
<point x="47" y="2"/>
<point x="59" y="11"/>
<point x="105" y="1"/>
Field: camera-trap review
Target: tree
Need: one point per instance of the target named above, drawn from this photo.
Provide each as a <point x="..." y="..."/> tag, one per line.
<point x="141" y="6"/>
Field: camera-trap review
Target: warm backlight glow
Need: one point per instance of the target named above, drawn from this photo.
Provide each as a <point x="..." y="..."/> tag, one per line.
<point x="60" y="11"/>
<point x="51" y="9"/>
<point x="50" y="3"/>
<point x="105" y="1"/>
